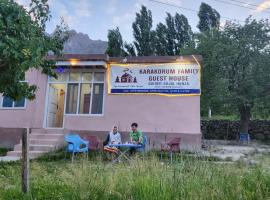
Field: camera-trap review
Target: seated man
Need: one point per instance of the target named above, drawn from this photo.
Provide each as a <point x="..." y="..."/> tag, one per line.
<point x="136" y="136"/>
<point x="113" y="137"/>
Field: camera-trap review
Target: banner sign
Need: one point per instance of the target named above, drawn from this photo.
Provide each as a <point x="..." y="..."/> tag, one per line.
<point x="167" y="78"/>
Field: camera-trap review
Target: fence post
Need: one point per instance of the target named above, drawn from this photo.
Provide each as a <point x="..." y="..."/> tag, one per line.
<point x="25" y="160"/>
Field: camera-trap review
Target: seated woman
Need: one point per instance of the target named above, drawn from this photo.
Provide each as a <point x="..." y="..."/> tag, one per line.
<point x="113" y="137"/>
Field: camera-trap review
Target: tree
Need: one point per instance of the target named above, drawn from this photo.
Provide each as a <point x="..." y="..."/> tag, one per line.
<point x="214" y="93"/>
<point x="236" y="67"/>
<point x="160" y="40"/>
<point x="129" y="49"/>
<point x="24" y="45"/>
<point x="245" y="63"/>
<point x="142" y="32"/>
<point x="183" y="33"/>
<point x="170" y="34"/>
<point x="115" y="43"/>
<point x="209" y="18"/>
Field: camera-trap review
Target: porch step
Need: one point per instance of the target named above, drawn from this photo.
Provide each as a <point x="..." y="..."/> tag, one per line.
<point x="49" y="131"/>
<point x="46" y="136"/>
<point x="43" y="141"/>
<point x="38" y="147"/>
<point x="32" y="154"/>
<point x="40" y="142"/>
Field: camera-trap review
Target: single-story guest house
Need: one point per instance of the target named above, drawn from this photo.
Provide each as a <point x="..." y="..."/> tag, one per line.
<point x="94" y="92"/>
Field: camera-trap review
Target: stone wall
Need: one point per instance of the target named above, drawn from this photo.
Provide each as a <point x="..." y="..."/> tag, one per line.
<point x="229" y="130"/>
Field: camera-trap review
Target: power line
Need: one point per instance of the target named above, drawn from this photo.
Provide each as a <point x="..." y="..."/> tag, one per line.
<point x="249" y="4"/>
<point x="189" y="9"/>
<point x="234" y="4"/>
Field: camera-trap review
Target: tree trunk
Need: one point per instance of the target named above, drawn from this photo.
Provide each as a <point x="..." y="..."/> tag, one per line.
<point x="245" y="114"/>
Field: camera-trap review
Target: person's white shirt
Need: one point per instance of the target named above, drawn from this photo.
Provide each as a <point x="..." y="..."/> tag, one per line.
<point x="115" y="138"/>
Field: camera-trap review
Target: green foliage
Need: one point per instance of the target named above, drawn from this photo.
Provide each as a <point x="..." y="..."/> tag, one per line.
<point x="115" y="43"/>
<point x="190" y="177"/>
<point x="235" y="74"/>
<point x="170" y="34"/>
<point x="161" y="40"/>
<point x="209" y="18"/>
<point x="183" y="33"/>
<point x="24" y="44"/>
<point x="142" y="32"/>
<point x="129" y="49"/>
<point x="3" y="151"/>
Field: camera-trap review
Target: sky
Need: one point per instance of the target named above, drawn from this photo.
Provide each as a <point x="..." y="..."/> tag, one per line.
<point x="96" y="17"/>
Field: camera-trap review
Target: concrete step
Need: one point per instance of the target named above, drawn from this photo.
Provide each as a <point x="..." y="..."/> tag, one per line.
<point x="32" y="154"/>
<point x="43" y="141"/>
<point x="46" y="136"/>
<point x="42" y="130"/>
<point x="37" y="147"/>
<point x="40" y="141"/>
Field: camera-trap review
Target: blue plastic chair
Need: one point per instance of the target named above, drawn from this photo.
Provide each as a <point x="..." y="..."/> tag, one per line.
<point x="142" y="149"/>
<point x="76" y="145"/>
<point x="244" y="137"/>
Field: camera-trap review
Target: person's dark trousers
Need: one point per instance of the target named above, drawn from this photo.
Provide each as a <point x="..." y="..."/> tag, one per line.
<point x="132" y="150"/>
<point x="107" y="140"/>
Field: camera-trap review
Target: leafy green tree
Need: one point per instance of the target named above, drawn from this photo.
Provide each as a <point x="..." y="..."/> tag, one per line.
<point x="236" y="68"/>
<point x="129" y="49"/>
<point x="183" y="33"/>
<point x="24" y="45"/>
<point x="142" y="32"/>
<point x="245" y="51"/>
<point x="214" y="90"/>
<point x="161" y="40"/>
<point x="115" y="43"/>
<point x="170" y="34"/>
<point x="209" y="18"/>
<point x="178" y="34"/>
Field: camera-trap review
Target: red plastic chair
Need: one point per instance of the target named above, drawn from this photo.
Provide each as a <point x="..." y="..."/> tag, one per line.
<point x="94" y="142"/>
<point x="172" y="146"/>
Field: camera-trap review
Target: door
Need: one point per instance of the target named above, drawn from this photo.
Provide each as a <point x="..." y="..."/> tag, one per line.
<point x="55" y="108"/>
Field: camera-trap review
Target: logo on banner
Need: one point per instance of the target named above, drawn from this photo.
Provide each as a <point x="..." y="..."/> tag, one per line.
<point x="126" y="77"/>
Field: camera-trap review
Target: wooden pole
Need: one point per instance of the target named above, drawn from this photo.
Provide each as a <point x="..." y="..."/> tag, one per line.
<point x="25" y="161"/>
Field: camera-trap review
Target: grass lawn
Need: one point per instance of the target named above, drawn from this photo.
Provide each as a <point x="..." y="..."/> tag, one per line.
<point x="146" y="177"/>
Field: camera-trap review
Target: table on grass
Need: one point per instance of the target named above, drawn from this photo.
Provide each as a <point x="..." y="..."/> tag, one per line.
<point x="123" y="150"/>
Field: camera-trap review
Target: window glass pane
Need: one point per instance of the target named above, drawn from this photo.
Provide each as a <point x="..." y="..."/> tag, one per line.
<point x="60" y="77"/>
<point x="7" y="102"/>
<point x="72" y="98"/>
<point x="85" y="96"/>
<point x="74" y="76"/>
<point x="19" y="103"/>
<point x="99" y="76"/>
<point x="97" y="101"/>
<point x="86" y="77"/>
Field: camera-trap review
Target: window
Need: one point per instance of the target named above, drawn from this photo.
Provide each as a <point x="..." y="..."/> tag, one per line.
<point x="9" y="103"/>
<point x="72" y="98"/>
<point x="97" y="101"/>
<point x="85" y="98"/>
<point x="61" y="77"/>
<point x="85" y="91"/>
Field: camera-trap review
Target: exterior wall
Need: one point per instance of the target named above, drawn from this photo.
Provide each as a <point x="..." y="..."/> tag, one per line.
<point x="32" y="115"/>
<point x="152" y="112"/>
<point x="9" y="137"/>
<point x="160" y="117"/>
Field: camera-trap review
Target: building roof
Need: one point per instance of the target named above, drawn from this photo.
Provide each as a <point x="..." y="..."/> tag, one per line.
<point x="137" y="59"/>
<point x="81" y="57"/>
<point x="155" y="59"/>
